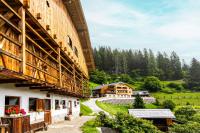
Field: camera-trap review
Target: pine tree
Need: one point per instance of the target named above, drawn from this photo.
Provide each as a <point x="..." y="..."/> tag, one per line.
<point x="194" y="74"/>
<point x="138" y="103"/>
<point x="152" y="66"/>
<point x="176" y="66"/>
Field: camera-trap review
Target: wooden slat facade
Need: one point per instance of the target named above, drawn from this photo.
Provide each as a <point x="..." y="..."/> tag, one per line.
<point x="35" y="49"/>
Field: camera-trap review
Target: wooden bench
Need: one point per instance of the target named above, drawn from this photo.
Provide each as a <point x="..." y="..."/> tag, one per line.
<point x="4" y="128"/>
<point x="39" y="125"/>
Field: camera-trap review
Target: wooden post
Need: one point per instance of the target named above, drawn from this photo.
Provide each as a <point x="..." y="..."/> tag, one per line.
<point x="82" y="86"/>
<point x="23" y="26"/>
<point x="60" y="69"/>
<point x="74" y="77"/>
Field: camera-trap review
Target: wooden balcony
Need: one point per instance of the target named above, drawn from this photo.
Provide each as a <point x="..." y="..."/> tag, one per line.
<point x="30" y="57"/>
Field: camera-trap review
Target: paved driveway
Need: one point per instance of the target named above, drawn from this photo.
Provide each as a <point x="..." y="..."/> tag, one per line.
<point x="72" y="126"/>
<point x="91" y="103"/>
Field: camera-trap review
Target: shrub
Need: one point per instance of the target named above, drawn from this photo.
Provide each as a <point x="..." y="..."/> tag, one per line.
<point x="190" y="127"/>
<point x="125" y="123"/>
<point x="175" y="86"/>
<point x="152" y="84"/>
<point x="138" y="103"/>
<point x="157" y="102"/>
<point x="99" y="77"/>
<point x="126" y="78"/>
<point x="168" y="90"/>
<point x="196" y="117"/>
<point x="169" y="104"/>
<point x="103" y="120"/>
<point x="89" y="127"/>
<point x="185" y="114"/>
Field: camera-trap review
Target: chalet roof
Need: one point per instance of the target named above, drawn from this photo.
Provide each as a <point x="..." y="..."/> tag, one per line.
<point x="99" y="87"/>
<point x="151" y="113"/>
<point x="76" y="13"/>
<point x="104" y="85"/>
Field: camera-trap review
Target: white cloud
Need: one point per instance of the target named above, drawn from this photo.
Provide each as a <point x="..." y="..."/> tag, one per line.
<point x="114" y="23"/>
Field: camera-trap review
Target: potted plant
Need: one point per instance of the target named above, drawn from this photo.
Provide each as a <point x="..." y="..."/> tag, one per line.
<point x="15" y="111"/>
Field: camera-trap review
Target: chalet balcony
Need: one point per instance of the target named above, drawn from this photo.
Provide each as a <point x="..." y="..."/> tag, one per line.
<point x="30" y="57"/>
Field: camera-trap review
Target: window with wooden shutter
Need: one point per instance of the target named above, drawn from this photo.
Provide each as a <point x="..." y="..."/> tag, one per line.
<point x="40" y="105"/>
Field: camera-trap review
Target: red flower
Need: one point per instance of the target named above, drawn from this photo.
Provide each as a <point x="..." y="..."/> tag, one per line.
<point x="23" y="112"/>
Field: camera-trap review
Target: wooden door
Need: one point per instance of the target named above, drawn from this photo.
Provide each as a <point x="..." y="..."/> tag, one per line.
<point x="70" y="108"/>
<point x="26" y="124"/>
<point x="47" y="111"/>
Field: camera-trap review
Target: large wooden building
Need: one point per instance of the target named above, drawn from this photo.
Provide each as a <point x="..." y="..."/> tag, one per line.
<point x="113" y="90"/>
<point x="45" y="56"/>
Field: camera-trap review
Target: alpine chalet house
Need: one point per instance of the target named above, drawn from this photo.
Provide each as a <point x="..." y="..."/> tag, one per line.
<point x="113" y="90"/>
<point x="45" y="56"/>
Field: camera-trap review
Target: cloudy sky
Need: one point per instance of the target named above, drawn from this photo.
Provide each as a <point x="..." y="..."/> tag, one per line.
<point x="161" y="25"/>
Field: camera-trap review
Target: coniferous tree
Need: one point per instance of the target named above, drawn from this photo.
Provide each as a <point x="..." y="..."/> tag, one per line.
<point x="137" y="63"/>
<point x="194" y="75"/>
<point x="175" y="66"/>
<point x="138" y="103"/>
<point x="152" y="66"/>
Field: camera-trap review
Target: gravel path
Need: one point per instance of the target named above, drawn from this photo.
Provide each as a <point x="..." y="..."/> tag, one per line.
<point x="72" y="126"/>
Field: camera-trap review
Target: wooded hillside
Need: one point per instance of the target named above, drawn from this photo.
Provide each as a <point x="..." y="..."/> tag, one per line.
<point x="139" y="63"/>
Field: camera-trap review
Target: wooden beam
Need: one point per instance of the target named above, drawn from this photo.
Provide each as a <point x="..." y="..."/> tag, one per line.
<point x="10" y="80"/>
<point x="11" y="24"/>
<point x="23" y="24"/>
<point x="10" y="8"/>
<point x="8" y="15"/>
<point x="31" y="40"/>
<point x="39" y="36"/>
<point x="60" y="67"/>
<point x="10" y="55"/>
<point x="40" y="87"/>
<point x="42" y="70"/>
<point x="27" y="84"/>
<point x="11" y="40"/>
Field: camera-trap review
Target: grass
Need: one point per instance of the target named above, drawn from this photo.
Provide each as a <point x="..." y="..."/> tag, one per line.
<point x="93" y="85"/>
<point x="89" y="127"/>
<point x="113" y="108"/>
<point x="151" y="106"/>
<point x="175" y="81"/>
<point x="85" y="110"/>
<point x="180" y="99"/>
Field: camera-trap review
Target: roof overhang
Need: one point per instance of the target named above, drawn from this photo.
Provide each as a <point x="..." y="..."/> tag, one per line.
<point x="152" y="113"/>
<point x="75" y="11"/>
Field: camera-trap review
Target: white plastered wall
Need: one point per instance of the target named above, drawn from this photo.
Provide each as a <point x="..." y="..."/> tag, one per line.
<point x="25" y="93"/>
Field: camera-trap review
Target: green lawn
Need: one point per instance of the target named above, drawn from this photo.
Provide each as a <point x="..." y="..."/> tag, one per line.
<point x="113" y="108"/>
<point x="93" y="85"/>
<point x="175" y="81"/>
<point x="151" y="106"/>
<point x="181" y="98"/>
<point x="89" y="127"/>
<point x="85" y="110"/>
<point x="138" y="84"/>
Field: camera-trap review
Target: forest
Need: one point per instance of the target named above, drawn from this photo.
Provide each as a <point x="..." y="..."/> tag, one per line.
<point x="137" y="64"/>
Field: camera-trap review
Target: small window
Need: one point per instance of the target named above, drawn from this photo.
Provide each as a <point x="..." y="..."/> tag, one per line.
<point x="64" y="104"/>
<point x="11" y="102"/>
<point x="57" y="106"/>
<point x="47" y="3"/>
<point x="32" y="104"/>
<point x="76" y="51"/>
<point x="75" y="104"/>
<point x="69" y="42"/>
<point x="47" y="104"/>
